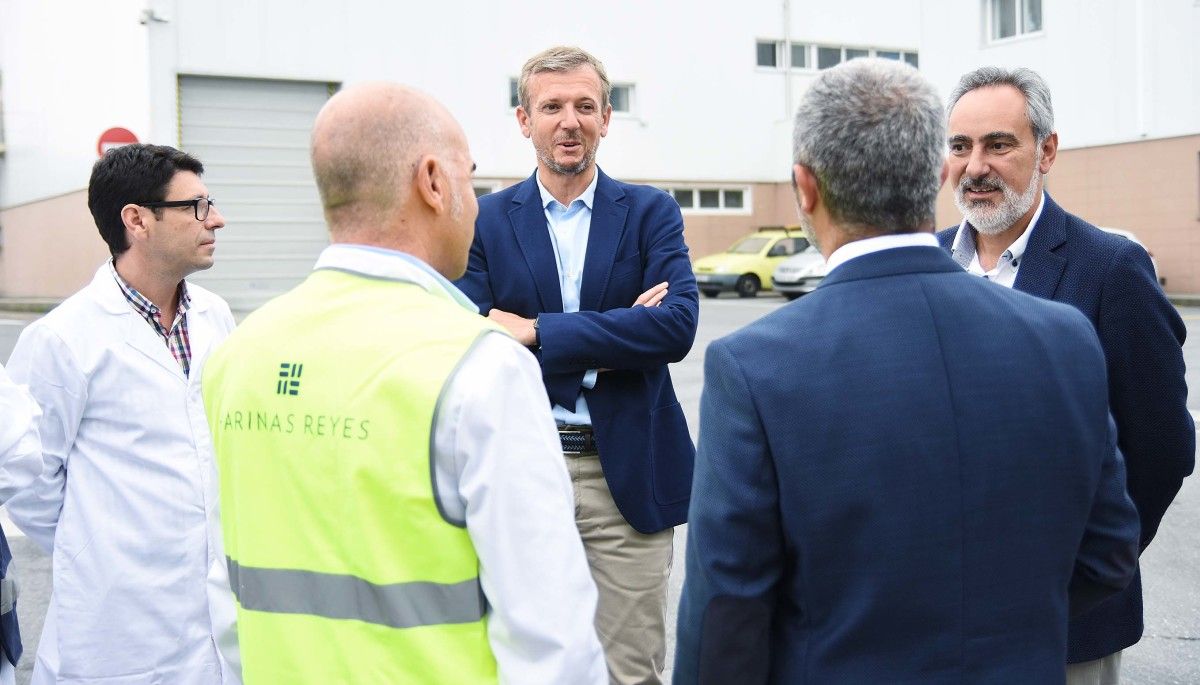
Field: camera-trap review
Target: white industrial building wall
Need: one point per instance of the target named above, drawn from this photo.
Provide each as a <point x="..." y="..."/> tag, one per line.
<point x="71" y="69"/>
<point x="703" y="111"/>
<point x="1119" y="70"/>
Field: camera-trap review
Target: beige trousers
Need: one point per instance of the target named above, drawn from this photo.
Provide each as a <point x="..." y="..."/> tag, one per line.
<point x="631" y="571"/>
<point x="1102" y="671"/>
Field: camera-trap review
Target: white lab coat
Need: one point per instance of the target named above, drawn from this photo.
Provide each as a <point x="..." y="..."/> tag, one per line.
<point x="127" y="497"/>
<point x="20" y="461"/>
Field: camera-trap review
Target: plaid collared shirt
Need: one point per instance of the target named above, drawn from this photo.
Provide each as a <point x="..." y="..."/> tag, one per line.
<point x="177" y="337"/>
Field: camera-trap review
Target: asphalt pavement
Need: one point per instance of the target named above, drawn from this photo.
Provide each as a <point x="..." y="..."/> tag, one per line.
<point x="1168" y="654"/>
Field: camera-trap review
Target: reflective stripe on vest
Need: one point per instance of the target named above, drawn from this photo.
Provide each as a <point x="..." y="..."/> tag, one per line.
<point x="329" y="595"/>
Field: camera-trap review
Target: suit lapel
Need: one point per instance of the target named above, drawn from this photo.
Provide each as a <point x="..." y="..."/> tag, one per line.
<point x="608" y="225"/>
<point x="528" y="219"/>
<point x="1041" y="268"/>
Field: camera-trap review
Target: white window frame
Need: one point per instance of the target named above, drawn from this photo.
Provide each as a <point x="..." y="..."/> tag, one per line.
<point x="746" y="209"/>
<point x="810" y="56"/>
<point x="780" y="55"/>
<point x="632" y="111"/>
<point x="812" y="51"/>
<point x="1020" y="34"/>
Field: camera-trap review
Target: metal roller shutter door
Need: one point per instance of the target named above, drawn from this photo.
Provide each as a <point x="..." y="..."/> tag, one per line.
<point x="252" y="136"/>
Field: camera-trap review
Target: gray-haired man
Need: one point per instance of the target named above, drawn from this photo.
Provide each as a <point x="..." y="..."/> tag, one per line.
<point x="1002" y="142"/>
<point x="872" y="515"/>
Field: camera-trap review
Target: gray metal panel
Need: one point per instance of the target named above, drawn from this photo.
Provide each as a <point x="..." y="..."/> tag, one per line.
<point x="252" y="136"/>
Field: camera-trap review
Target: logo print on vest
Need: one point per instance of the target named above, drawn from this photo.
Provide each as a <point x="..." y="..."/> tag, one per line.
<point x="289" y="379"/>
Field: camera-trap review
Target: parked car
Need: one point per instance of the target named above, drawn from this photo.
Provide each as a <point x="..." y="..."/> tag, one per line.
<point x="1128" y="234"/>
<point x="746" y="267"/>
<point x="800" y="274"/>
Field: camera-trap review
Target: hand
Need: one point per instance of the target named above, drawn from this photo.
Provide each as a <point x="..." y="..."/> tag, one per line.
<point x="520" y="327"/>
<point x="652" y="297"/>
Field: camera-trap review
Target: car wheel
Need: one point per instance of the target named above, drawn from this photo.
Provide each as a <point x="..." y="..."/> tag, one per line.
<point x="711" y="293"/>
<point x="791" y="296"/>
<point x="747" y="286"/>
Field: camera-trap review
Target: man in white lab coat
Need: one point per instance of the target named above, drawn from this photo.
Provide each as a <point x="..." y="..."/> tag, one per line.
<point x="19" y="465"/>
<point x="127" y="497"/>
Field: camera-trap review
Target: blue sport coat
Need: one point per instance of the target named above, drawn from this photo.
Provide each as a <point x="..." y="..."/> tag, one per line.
<point x="635" y="242"/>
<point x="909" y="475"/>
<point x="1111" y="280"/>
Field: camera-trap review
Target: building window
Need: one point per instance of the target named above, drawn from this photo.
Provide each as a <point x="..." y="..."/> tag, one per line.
<point x="808" y="56"/>
<point x="910" y="57"/>
<point x="799" y="56"/>
<point x="767" y="53"/>
<point x="711" y="200"/>
<point x="513" y="100"/>
<point x="621" y="97"/>
<point x="828" y="57"/>
<point x="1011" y="18"/>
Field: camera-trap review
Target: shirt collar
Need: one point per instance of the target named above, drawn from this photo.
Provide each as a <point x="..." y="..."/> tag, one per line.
<point x="963" y="249"/>
<point x="380" y="262"/>
<point x="143" y="305"/>
<point x="587" y="197"/>
<point x="859" y="248"/>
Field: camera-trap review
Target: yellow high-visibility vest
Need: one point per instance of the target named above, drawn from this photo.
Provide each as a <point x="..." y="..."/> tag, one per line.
<point x="322" y="405"/>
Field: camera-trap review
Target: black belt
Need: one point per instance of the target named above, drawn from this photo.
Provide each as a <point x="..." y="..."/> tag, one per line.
<point x="577" y="441"/>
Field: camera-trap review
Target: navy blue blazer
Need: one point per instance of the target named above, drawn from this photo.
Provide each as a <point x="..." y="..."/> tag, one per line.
<point x="1111" y="280"/>
<point x="635" y="242"/>
<point x="909" y="475"/>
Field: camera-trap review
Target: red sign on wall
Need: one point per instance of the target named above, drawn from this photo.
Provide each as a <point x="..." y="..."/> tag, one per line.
<point x="114" y="137"/>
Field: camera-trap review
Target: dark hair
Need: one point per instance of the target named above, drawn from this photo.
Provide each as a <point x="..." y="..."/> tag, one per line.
<point x="131" y="174"/>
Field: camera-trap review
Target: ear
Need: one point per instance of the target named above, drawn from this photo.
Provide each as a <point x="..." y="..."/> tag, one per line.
<point x="524" y="121"/>
<point x="430" y="185"/>
<point x="134" y="219"/>
<point x="604" y="121"/>
<point x="806" y="187"/>
<point x="945" y="173"/>
<point x="1049" y="152"/>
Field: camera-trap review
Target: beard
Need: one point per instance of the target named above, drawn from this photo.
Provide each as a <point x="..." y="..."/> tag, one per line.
<point x="806" y="225"/>
<point x="546" y="155"/>
<point x="993" y="219"/>
<point x="810" y="235"/>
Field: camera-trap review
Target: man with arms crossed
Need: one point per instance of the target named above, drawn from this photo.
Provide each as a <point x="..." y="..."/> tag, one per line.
<point x="127" y="497"/>
<point x="865" y="509"/>
<point x="593" y="275"/>
<point x="394" y="500"/>
<point x="1002" y="142"/>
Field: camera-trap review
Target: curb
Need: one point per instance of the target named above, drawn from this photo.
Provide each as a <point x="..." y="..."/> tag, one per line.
<point x="36" y="305"/>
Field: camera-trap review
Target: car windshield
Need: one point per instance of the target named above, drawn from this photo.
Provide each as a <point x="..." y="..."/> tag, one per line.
<point x="751" y="245"/>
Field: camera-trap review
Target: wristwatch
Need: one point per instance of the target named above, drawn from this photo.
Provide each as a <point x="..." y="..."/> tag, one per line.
<point x="537" y="332"/>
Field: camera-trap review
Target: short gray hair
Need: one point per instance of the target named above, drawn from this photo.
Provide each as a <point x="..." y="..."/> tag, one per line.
<point x="873" y="133"/>
<point x="1037" y="94"/>
<point x="561" y="58"/>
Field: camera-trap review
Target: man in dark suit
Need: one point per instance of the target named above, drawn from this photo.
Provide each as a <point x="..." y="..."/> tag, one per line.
<point x="593" y="275"/>
<point x="1002" y="141"/>
<point x="886" y="489"/>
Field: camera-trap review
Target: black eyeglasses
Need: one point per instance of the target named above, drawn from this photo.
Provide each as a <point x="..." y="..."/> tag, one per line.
<point x="199" y="206"/>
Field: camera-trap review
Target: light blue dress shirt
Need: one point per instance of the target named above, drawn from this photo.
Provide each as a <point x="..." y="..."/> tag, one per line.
<point x="569" y="227"/>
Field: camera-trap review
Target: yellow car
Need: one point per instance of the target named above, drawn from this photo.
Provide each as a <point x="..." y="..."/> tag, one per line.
<point x="746" y="267"/>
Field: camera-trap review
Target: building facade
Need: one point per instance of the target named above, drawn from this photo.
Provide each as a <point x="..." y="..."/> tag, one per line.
<point x="703" y="98"/>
